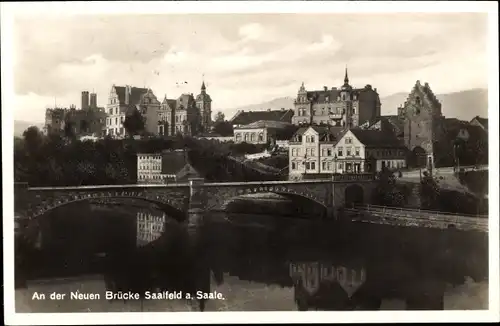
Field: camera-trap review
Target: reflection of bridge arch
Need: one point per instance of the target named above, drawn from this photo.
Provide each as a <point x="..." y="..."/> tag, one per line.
<point x="354" y="195"/>
<point x="173" y="208"/>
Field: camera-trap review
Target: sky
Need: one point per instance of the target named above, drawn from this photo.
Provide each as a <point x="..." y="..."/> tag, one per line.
<point x="243" y="58"/>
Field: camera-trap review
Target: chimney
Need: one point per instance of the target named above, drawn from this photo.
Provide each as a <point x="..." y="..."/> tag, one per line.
<point x="325" y="88"/>
<point x="127" y="94"/>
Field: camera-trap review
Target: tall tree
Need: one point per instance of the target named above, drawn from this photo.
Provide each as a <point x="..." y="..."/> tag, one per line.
<point x="219" y="117"/>
<point x="33" y="138"/>
<point x="134" y="123"/>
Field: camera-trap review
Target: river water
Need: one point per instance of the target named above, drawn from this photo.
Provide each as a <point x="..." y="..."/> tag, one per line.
<point x="238" y="262"/>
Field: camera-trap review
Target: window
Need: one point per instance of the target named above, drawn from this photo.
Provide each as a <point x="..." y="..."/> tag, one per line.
<point x="293" y="166"/>
<point x="307" y="166"/>
<point x="353" y="110"/>
<point x="116" y="110"/>
<point x="313" y="152"/>
<point x="308" y="151"/>
<point x="116" y="121"/>
<point x="348" y="151"/>
<point x="340" y="151"/>
<point x="348" y="140"/>
<point x="329" y="166"/>
<point x="313" y="165"/>
<point x="312" y="139"/>
<point x="329" y="152"/>
<point x="324" y="166"/>
<point x="340" y="166"/>
<point x="357" y="151"/>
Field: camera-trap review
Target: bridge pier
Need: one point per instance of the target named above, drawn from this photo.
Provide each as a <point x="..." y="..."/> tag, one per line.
<point x="197" y="203"/>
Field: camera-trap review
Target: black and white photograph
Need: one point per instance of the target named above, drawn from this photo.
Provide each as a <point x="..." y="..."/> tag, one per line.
<point x="265" y="158"/>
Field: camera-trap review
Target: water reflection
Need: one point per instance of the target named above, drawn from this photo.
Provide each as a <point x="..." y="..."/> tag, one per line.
<point x="266" y="267"/>
<point x="150" y="227"/>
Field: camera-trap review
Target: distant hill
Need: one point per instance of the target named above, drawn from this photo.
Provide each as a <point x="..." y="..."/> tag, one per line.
<point x="21" y="126"/>
<point x="463" y="105"/>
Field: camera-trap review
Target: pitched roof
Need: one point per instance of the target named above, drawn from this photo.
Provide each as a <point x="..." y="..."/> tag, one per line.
<point x="245" y="118"/>
<point x="376" y="138"/>
<point x="134" y="97"/>
<point x="482" y="121"/>
<point x="325" y="133"/>
<point x="389" y="123"/>
<point x="266" y="124"/>
<point x="173" y="162"/>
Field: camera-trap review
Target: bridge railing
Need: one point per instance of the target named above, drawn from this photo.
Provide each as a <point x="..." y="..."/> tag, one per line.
<point x="369" y="207"/>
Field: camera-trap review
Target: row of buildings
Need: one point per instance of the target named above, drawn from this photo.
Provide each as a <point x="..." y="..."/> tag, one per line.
<point x="187" y="114"/>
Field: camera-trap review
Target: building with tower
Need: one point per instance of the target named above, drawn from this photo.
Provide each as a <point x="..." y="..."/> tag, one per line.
<point x="204" y="105"/>
<point x="87" y="121"/>
<point x="423" y="125"/>
<point x="344" y="107"/>
<point x="186" y="115"/>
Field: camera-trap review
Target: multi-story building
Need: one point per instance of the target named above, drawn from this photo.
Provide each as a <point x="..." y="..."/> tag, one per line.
<point x="187" y="115"/>
<point x="89" y="120"/>
<point x="149" y="168"/>
<point x="122" y="101"/>
<point x="344" y="107"/>
<point x="260" y="132"/>
<point x="317" y="150"/>
<point x="308" y="148"/>
<point x="169" y="166"/>
<point x="362" y="151"/>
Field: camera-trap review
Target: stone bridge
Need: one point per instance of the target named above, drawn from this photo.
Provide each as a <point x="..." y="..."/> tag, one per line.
<point x="178" y="199"/>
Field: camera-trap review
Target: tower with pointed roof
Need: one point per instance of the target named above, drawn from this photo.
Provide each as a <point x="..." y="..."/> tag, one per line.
<point x="204" y="105"/>
<point x="423" y="118"/>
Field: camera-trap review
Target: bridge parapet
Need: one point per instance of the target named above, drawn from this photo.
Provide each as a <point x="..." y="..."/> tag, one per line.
<point x="418" y="218"/>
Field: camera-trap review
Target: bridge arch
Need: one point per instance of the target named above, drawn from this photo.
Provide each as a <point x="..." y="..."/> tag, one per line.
<point x="219" y="199"/>
<point x="172" y="208"/>
<point x="354" y="195"/>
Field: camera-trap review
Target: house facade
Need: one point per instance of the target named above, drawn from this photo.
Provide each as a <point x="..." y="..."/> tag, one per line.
<point x="344" y="107"/>
<point x="311" y="149"/>
<point x="122" y="101"/>
<point x="259" y="132"/>
<point x="317" y="150"/>
<point x="169" y="166"/>
<point x="185" y="115"/>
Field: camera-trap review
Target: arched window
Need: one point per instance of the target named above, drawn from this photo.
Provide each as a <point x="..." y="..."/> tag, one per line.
<point x="252" y="137"/>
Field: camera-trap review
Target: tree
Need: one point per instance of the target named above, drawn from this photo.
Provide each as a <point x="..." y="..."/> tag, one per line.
<point x="386" y="192"/>
<point x="134" y="123"/>
<point x="429" y="192"/>
<point x="219" y="117"/>
<point x="33" y="138"/>
<point x="223" y="128"/>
